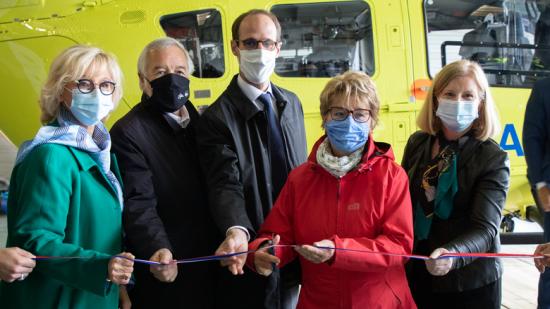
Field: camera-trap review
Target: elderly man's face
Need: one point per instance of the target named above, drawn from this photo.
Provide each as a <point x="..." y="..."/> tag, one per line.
<point x="169" y="60"/>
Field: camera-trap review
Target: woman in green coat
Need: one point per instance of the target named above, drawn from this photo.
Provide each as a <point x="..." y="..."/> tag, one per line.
<point x="65" y="196"/>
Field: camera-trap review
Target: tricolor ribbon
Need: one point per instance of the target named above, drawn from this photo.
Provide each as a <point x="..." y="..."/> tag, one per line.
<point x="225" y="256"/>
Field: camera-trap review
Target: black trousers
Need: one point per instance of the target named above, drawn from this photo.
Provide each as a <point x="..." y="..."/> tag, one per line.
<point x="192" y="289"/>
<point x="253" y="291"/>
<point x="486" y="297"/>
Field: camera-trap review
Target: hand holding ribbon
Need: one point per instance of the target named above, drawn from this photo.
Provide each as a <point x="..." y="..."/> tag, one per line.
<point x="235" y="241"/>
<point x="121" y="268"/>
<point x="544" y="250"/>
<point x="168" y="270"/>
<point x="320" y="252"/>
<point x="263" y="260"/>
<point x="15" y="264"/>
<point x="437" y="265"/>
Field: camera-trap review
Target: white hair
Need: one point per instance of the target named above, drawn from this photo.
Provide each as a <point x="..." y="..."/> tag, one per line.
<point x="162" y="43"/>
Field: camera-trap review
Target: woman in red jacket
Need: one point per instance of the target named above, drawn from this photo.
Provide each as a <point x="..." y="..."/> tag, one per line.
<point x="349" y="194"/>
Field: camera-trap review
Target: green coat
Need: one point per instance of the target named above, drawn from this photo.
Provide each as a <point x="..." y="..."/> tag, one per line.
<point x="61" y="204"/>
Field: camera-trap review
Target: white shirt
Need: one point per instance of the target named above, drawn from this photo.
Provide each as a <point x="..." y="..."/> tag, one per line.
<point x="253" y="93"/>
<point x="184" y="120"/>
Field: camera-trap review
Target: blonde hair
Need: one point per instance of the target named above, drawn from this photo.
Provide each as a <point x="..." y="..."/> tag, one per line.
<point x="70" y="66"/>
<point x="486" y="125"/>
<point x="352" y="84"/>
<point x="163" y="43"/>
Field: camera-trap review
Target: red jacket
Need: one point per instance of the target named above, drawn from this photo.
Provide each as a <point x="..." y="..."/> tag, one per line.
<point x="369" y="208"/>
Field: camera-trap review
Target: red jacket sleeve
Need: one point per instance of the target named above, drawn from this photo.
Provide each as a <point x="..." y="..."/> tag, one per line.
<point x="396" y="234"/>
<point x="280" y="222"/>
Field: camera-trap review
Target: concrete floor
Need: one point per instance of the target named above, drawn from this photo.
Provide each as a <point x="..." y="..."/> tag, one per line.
<point x="520" y="283"/>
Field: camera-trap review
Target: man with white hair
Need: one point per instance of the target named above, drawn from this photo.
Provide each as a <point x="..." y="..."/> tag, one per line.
<point x="165" y="215"/>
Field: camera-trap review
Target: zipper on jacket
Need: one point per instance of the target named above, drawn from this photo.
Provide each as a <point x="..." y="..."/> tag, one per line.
<point x="338" y="191"/>
<point x="339" y="232"/>
<point x="338" y="210"/>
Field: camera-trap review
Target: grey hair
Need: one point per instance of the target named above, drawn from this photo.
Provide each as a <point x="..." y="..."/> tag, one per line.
<point x="162" y="43"/>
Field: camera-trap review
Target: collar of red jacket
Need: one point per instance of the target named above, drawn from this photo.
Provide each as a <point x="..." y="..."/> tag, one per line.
<point x="374" y="151"/>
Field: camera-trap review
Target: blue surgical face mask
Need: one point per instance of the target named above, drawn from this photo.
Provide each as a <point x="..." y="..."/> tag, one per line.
<point x="347" y="135"/>
<point x="457" y="116"/>
<point x="90" y="108"/>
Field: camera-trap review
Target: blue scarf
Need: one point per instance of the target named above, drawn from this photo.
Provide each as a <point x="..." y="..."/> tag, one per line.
<point x="69" y="133"/>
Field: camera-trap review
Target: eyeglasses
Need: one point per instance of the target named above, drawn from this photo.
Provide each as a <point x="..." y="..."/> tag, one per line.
<point x="340" y="114"/>
<point x="253" y="43"/>
<point x="87" y="86"/>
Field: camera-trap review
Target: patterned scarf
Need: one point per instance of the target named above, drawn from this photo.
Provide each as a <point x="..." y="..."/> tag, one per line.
<point x="69" y="133"/>
<point x="440" y="184"/>
<point x="337" y="166"/>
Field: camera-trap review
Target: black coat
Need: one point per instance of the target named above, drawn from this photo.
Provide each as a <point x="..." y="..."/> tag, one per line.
<point x="165" y="205"/>
<point x="536" y="133"/>
<point x="233" y="145"/>
<point x="483" y="180"/>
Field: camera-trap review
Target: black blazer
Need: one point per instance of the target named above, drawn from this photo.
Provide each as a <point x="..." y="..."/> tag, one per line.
<point x="483" y="180"/>
<point x="165" y="204"/>
<point x="536" y="133"/>
<point x="232" y="140"/>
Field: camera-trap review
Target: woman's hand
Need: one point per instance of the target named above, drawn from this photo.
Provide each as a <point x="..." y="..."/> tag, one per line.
<point x="317" y="255"/>
<point x="263" y="260"/>
<point x="15" y="264"/>
<point x="121" y="268"/>
<point x="124" y="301"/>
<point x="543" y="249"/>
<point x="439" y="267"/>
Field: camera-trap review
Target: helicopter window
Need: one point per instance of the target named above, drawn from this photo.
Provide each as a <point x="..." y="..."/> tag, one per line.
<point x="510" y="39"/>
<point x="201" y="34"/>
<point x="324" y="39"/>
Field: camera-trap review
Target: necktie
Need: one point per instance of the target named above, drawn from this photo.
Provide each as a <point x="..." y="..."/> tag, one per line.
<point x="279" y="171"/>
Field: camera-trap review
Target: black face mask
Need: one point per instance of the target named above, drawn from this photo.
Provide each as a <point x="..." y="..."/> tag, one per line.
<point x="170" y="92"/>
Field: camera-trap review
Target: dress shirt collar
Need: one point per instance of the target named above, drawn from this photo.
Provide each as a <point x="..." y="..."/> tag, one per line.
<point x="183" y="120"/>
<point x="252" y="93"/>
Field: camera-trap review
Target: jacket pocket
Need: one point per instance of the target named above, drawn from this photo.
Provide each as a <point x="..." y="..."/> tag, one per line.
<point x="397" y="301"/>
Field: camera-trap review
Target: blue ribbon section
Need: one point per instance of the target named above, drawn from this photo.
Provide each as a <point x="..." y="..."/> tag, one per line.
<point x="225" y="256"/>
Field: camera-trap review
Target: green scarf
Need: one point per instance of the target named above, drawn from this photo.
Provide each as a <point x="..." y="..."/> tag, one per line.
<point x="447" y="186"/>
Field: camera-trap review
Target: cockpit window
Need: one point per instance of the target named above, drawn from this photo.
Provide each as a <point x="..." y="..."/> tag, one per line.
<point x="510" y="39"/>
<point x="201" y="34"/>
<point x="324" y="39"/>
